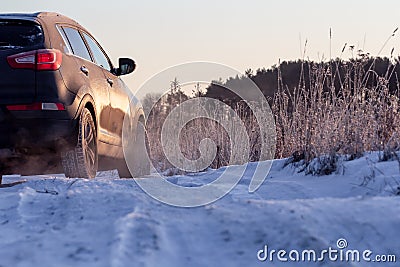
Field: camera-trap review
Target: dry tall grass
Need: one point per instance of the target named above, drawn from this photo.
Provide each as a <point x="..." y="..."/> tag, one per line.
<point x="211" y="127"/>
<point x="322" y="118"/>
<point x="325" y="120"/>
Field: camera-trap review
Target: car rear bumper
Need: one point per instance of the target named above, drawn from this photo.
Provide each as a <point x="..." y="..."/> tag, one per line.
<point x="36" y="129"/>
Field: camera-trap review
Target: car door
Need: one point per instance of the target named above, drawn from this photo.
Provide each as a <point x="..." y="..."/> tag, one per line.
<point x="96" y="84"/>
<point x="119" y="101"/>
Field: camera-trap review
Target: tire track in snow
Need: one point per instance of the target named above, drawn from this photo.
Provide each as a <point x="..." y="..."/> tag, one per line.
<point x="137" y="240"/>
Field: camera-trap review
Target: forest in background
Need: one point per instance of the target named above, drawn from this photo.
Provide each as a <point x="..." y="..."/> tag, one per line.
<point x="298" y="74"/>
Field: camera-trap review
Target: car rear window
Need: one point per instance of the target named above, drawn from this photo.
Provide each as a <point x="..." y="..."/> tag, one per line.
<point x="19" y="34"/>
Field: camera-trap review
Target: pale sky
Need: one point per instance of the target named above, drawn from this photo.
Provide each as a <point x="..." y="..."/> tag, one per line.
<point x="240" y="34"/>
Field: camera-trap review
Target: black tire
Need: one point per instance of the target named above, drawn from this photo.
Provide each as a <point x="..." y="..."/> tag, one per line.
<point x="82" y="161"/>
<point x="139" y="160"/>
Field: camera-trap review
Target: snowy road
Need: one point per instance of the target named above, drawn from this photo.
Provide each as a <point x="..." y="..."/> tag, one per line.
<point x="112" y="222"/>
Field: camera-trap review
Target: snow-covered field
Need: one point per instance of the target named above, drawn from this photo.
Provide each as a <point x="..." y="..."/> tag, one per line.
<point x="53" y="221"/>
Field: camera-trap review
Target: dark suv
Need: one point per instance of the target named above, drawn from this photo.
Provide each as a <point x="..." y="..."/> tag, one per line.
<point x="62" y="102"/>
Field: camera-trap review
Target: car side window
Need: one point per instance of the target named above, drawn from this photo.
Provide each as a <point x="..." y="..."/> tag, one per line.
<point x="76" y="42"/>
<point x="98" y="54"/>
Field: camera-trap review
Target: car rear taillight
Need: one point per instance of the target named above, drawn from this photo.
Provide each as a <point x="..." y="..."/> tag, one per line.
<point x="42" y="59"/>
<point x="37" y="106"/>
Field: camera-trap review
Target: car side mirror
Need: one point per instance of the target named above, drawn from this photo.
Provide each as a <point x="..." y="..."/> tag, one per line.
<point x="126" y="66"/>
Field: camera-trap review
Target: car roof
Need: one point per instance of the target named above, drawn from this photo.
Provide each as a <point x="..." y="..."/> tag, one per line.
<point x="46" y="17"/>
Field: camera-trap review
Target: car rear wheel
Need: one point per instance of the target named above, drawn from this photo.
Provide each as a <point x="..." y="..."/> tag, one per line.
<point x="82" y="161"/>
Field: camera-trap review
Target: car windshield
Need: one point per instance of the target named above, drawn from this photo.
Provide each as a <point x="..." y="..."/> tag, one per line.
<point x="19" y="34"/>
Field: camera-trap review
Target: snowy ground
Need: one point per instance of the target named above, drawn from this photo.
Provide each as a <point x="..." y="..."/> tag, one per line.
<point x="50" y="221"/>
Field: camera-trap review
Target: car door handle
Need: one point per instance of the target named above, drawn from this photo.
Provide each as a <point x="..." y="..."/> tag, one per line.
<point x="84" y="70"/>
<point x="110" y="82"/>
